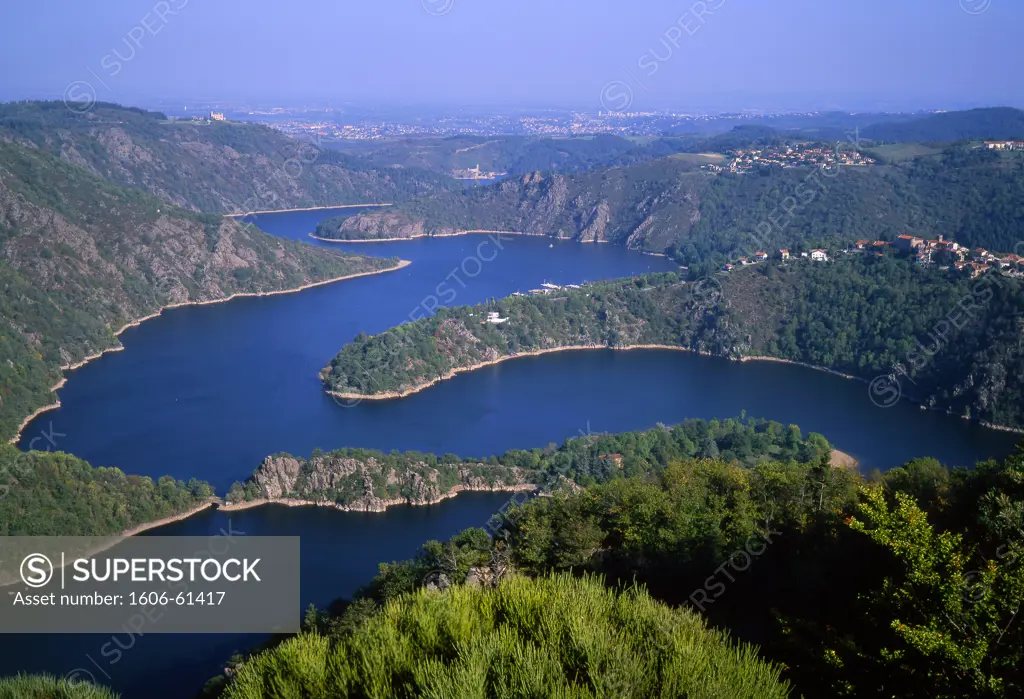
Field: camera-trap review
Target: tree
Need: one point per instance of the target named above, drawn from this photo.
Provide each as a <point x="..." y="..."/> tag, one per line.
<point x="941" y="613"/>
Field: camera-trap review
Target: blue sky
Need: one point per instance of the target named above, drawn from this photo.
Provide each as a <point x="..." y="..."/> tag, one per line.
<point x="710" y="54"/>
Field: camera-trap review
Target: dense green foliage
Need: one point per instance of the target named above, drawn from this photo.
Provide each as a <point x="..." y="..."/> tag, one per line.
<point x="410" y="356"/>
<point x="548" y="637"/>
<point x="211" y="167"/>
<point x="83" y="257"/>
<point x="973" y="196"/>
<point x="349" y="476"/>
<point x="46" y="687"/>
<point x="56" y="494"/>
<point x="950" y="342"/>
<point x="958" y="340"/>
<point x="905" y="586"/>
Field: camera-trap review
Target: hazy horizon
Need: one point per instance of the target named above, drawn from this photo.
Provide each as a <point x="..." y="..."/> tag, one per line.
<point x="704" y="56"/>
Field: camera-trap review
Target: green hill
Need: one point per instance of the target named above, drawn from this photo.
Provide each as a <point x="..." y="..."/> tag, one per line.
<point x="547" y="637"/>
<point x="80" y="258"/>
<point x="216" y="167"/>
<point x="975" y="197"/>
<point x="56" y="494"/>
<point x="861" y="315"/>
<point x="907" y="584"/>
<point x="993" y="123"/>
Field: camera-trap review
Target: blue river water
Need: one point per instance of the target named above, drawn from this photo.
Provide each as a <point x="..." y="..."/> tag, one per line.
<point x="209" y="391"/>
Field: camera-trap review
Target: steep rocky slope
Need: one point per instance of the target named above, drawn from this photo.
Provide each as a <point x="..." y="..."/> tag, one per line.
<point x="216" y="167"/>
<point x="366" y="481"/>
<point x="973" y="196"/>
<point x="81" y="258"/>
<point x="641" y="206"/>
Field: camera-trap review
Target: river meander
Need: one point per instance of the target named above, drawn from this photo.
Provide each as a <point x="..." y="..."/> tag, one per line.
<point x="209" y="391"/>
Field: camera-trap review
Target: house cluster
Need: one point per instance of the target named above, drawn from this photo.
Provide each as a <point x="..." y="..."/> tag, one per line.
<point x="816" y="255"/>
<point x="795" y="155"/>
<point x="928" y="252"/>
<point x="1004" y="145"/>
<point x="981" y="261"/>
<point x="547" y="288"/>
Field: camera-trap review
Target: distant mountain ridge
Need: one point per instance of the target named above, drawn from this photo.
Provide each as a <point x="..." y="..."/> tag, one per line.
<point x="221" y="167"/>
<point x="994" y="123"/>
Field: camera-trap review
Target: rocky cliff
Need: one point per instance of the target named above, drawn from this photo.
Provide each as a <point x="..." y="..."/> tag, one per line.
<point x="371" y="482"/>
<point x="648" y="206"/>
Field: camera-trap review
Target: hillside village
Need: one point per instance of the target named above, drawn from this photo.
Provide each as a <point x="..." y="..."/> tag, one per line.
<point x="947" y="254"/>
<point x="800" y="154"/>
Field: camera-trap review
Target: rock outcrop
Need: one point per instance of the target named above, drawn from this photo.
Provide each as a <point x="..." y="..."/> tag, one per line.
<point x="369" y="482"/>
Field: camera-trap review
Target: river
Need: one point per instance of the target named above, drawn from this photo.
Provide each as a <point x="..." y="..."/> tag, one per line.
<point x="209" y="391"/>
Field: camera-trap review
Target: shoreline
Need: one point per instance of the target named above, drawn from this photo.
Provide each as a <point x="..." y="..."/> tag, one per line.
<point x="850" y="377"/>
<point x="779" y="360"/>
<point x="167" y="520"/>
<point x="308" y="208"/>
<point x="456" y="234"/>
<point x="111" y="540"/>
<point x="387" y="504"/>
<point x="452" y="373"/>
<point x="135" y="323"/>
<point x="393" y="395"/>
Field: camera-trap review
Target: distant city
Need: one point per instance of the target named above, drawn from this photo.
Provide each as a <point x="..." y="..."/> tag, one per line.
<point x="367" y="125"/>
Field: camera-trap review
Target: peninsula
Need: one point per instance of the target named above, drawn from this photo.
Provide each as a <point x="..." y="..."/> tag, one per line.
<point x="361" y="480"/>
<point x="848" y="316"/>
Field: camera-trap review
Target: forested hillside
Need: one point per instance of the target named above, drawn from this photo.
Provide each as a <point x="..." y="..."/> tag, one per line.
<point x="55" y="494"/>
<point x="993" y="123"/>
<point x="953" y="343"/>
<point x="973" y="196"/>
<point x="862" y="315"/>
<point x="632" y="205"/>
<point x="905" y="585"/>
<point x="218" y="167"/>
<point x="370" y="480"/>
<point x="80" y="258"/>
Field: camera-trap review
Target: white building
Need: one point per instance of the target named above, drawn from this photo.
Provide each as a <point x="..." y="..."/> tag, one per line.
<point x="494" y="318"/>
<point x="819" y="255"/>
